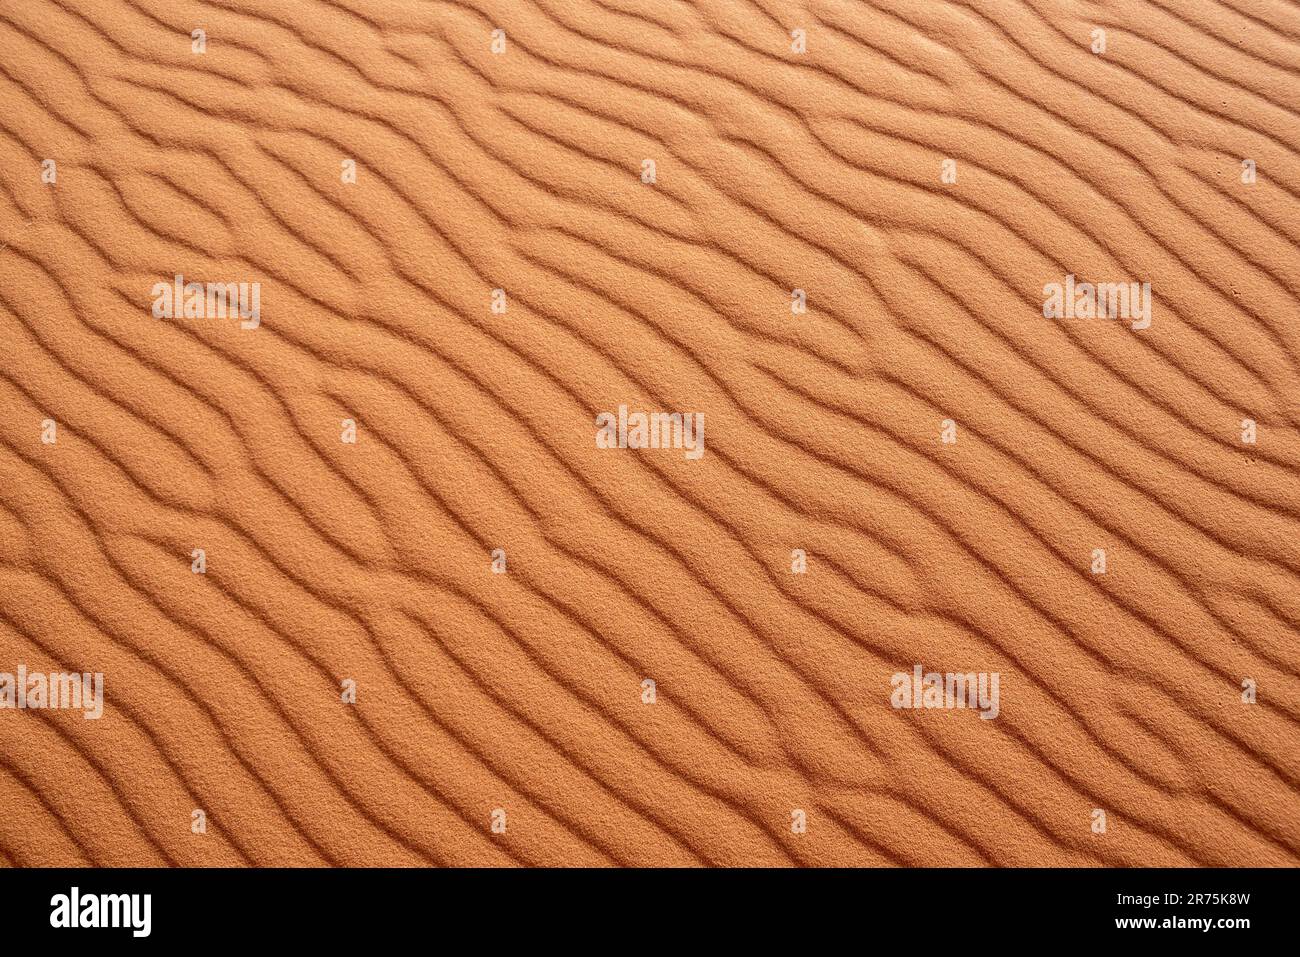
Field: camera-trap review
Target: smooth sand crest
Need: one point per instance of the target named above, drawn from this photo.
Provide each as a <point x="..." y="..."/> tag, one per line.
<point x="826" y="229"/>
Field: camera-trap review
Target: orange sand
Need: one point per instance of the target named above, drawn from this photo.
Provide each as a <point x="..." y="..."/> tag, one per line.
<point x="774" y="171"/>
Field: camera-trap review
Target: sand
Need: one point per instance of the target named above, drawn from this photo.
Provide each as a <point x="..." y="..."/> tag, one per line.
<point x="434" y="644"/>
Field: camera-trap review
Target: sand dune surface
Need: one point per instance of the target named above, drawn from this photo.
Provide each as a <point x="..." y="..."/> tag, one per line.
<point x="342" y="345"/>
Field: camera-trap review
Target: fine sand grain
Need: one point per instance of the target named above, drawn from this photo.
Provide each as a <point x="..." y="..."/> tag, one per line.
<point x="949" y="462"/>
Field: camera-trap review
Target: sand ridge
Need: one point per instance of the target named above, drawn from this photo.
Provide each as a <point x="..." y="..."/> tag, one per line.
<point x="837" y="259"/>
